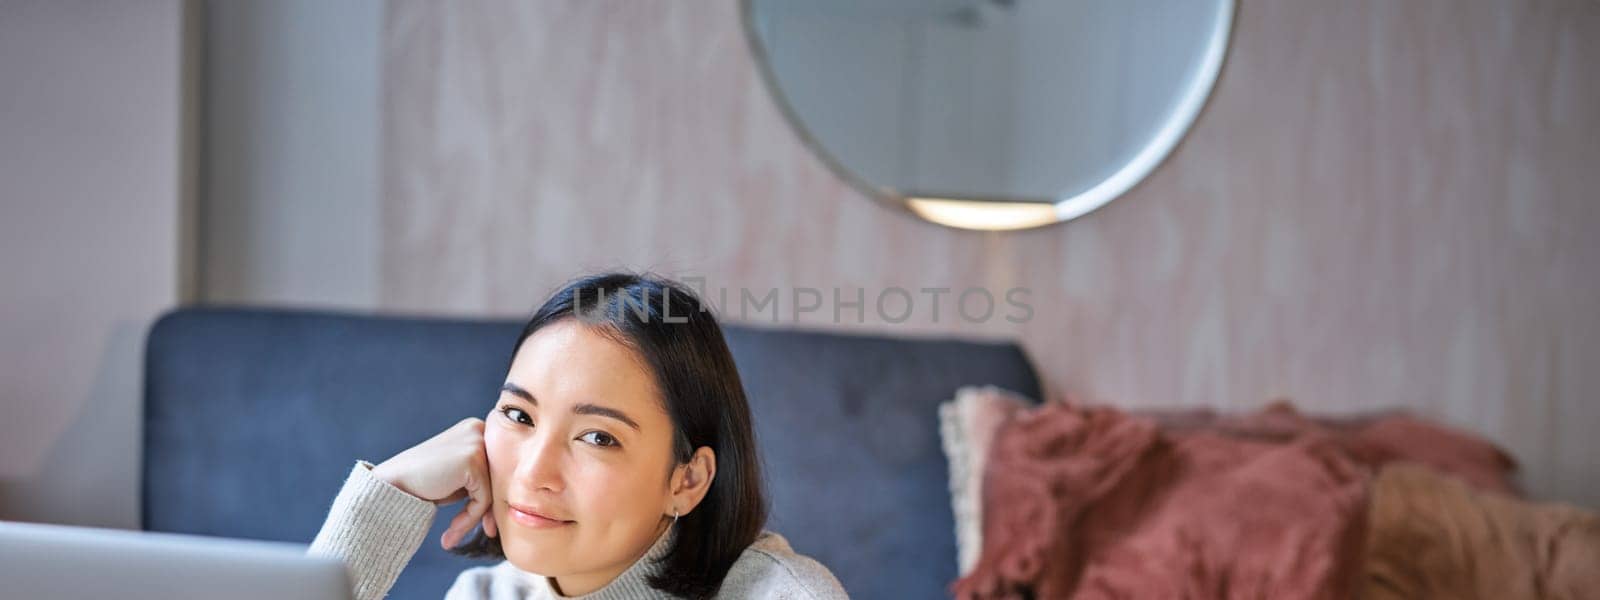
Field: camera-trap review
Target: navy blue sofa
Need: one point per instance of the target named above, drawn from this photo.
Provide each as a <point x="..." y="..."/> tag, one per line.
<point x="253" y="417"/>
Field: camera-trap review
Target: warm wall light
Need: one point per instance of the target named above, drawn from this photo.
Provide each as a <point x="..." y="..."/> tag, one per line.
<point x="977" y="214"/>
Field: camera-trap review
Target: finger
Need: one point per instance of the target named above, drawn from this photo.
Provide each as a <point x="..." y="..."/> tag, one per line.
<point x="451" y="499"/>
<point x="477" y="506"/>
<point x="464" y="521"/>
<point x="480" y="494"/>
<point x="460" y="526"/>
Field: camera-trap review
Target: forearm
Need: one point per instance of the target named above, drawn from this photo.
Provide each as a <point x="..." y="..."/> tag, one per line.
<point x="374" y="528"/>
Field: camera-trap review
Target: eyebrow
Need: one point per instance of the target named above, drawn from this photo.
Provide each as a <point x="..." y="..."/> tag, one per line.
<point x="582" y="409"/>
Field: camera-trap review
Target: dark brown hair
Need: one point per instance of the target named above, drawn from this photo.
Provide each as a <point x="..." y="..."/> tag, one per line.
<point x="678" y="337"/>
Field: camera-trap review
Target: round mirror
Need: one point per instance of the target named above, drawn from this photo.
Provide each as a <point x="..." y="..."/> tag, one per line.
<point x="990" y="114"/>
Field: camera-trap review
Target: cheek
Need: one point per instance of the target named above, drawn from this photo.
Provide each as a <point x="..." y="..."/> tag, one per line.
<point x="499" y="449"/>
<point x="618" y="492"/>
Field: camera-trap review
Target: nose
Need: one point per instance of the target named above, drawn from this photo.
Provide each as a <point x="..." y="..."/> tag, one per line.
<point x="540" y="462"/>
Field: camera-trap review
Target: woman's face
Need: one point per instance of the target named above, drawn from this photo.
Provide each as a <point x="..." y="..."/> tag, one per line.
<point x="580" y="453"/>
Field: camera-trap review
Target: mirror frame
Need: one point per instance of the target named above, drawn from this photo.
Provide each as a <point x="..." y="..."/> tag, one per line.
<point x="999" y="213"/>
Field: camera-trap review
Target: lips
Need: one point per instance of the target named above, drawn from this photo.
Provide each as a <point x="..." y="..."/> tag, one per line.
<point x="536" y="517"/>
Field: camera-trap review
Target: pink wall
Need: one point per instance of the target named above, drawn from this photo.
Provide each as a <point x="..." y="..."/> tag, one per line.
<point x="1383" y="204"/>
<point x="92" y="245"/>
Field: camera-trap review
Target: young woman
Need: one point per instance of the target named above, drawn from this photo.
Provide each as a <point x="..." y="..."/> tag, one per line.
<point x="617" y="462"/>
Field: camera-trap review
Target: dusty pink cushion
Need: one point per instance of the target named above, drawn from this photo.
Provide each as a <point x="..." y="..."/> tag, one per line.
<point x="1090" y="502"/>
<point x="1066" y="497"/>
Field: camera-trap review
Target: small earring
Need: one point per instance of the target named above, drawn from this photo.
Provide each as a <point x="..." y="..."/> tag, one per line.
<point x="674" y="516"/>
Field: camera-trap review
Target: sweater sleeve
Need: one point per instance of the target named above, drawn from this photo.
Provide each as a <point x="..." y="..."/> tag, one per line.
<point x="374" y="528"/>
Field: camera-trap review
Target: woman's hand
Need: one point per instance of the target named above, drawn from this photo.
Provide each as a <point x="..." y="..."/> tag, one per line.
<point x="446" y="468"/>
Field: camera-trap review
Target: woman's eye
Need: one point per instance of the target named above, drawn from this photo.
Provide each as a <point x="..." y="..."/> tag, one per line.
<point x="516" y="414"/>
<point x="599" y="438"/>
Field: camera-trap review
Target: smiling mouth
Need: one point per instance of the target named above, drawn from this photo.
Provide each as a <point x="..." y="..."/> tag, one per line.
<point x="533" y="519"/>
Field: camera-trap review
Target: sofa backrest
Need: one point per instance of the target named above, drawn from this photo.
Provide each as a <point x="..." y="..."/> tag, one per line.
<point x="253" y="417"/>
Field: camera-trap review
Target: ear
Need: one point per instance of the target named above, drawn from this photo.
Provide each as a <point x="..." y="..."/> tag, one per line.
<point x="691" y="481"/>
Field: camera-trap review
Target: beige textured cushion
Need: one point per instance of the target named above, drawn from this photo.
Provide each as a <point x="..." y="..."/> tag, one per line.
<point x="967" y="425"/>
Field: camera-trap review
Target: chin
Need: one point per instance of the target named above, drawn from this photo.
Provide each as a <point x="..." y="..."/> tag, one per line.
<point x="541" y="557"/>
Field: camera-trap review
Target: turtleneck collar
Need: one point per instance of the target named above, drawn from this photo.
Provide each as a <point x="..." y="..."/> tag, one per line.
<point x="631" y="584"/>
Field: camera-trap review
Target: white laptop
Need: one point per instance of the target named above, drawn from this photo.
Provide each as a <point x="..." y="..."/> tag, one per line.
<point x="56" y="561"/>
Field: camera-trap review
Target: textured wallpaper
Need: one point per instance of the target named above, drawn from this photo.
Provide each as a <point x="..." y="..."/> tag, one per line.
<point x="1383" y="204"/>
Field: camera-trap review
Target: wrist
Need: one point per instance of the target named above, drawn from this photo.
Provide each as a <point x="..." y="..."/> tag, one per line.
<point x="385" y="473"/>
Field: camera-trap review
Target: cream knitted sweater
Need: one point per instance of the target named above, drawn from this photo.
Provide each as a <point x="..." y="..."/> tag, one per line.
<point x="375" y="528"/>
